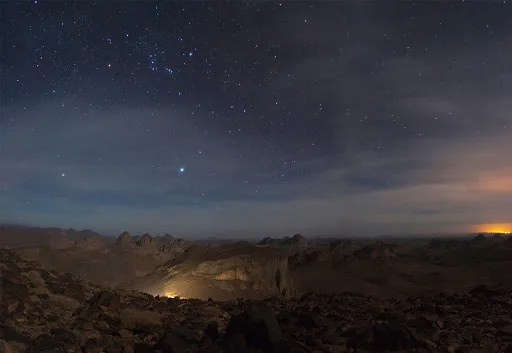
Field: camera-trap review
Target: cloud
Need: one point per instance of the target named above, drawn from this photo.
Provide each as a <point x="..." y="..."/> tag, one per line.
<point x="442" y="186"/>
<point x="432" y="183"/>
<point x="397" y="133"/>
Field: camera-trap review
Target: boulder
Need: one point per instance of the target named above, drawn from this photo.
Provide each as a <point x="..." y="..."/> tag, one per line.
<point x="107" y="299"/>
<point x="256" y="328"/>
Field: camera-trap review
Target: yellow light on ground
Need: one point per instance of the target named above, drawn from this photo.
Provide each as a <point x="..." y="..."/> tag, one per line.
<point x="173" y="295"/>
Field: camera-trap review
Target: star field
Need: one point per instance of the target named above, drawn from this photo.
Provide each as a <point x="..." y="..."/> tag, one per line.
<point x="208" y="118"/>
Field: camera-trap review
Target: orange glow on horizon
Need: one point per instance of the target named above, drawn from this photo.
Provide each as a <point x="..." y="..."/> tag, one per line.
<point x="503" y="228"/>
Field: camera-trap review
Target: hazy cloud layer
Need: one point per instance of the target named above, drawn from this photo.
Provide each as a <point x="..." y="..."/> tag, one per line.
<point x="396" y="128"/>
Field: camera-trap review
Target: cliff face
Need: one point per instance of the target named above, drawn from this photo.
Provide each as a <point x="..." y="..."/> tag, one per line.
<point x="223" y="273"/>
<point x="267" y="275"/>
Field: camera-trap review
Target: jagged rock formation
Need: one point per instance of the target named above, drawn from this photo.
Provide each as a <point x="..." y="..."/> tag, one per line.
<point x="44" y="311"/>
<point x="379" y="251"/>
<point x="479" y="239"/>
<point x="124" y="240"/>
<point x="292" y="245"/>
<point x="334" y="253"/>
<point x="162" y="246"/>
<point x="296" y="240"/>
<point x="144" y="241"/>
<point x="302" y="258"/>
<point x="88" y="255"/>
<point x="169" y="244"/>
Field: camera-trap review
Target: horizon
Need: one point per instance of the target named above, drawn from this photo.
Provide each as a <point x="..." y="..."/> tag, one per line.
<point x="115" y="234"/>
<point x="257" y="118"/>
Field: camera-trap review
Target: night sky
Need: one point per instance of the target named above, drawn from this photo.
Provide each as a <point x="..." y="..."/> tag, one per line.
<point x="258" y="118"/>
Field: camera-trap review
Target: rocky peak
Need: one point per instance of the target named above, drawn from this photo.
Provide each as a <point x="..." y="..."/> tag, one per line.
<point x="297" y="239"/>
<point x="266" y="241"/>
<point x="123" y="240"/>
<point x="479" y="238"/>
<point x="168" y="243"/>
<point x="380" y="251"/>
<point x="144" y="240"/>
<point x="167" y="236"/>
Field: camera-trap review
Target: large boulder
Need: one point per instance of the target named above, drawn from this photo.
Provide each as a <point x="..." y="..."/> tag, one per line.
<point x="255" y="328"/>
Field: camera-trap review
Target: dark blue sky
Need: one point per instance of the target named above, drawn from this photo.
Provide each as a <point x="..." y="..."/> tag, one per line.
<point x="256" y="119"/>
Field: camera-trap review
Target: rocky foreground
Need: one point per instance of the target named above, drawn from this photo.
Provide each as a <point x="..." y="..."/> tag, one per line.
<point x="44" y="311"/>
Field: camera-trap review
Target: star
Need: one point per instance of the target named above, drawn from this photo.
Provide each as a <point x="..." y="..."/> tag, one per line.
<point x="309" y="110"/>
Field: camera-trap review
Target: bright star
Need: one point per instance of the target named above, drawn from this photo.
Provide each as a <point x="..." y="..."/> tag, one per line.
<point x="182" y="170"/>
<point x="63" y="174"/>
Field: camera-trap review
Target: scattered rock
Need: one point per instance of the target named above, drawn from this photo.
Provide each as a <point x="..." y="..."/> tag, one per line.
<point x="107" y="299"/>
<point x="44" y="311"/>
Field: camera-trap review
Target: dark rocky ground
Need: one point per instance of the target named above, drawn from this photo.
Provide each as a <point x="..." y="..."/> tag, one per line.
<point x="44" y="311"/>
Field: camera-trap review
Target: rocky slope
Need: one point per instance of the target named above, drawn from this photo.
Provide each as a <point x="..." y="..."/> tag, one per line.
<point x="44" y="311"/>
<point x="93" y="257"/>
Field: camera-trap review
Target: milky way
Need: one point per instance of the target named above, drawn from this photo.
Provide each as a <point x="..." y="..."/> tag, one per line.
<point x="259" y="118"/>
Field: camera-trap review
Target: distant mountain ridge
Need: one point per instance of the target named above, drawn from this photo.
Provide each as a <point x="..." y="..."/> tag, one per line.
<point x="12" y="236"/>
<point x="297" y="239"/>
